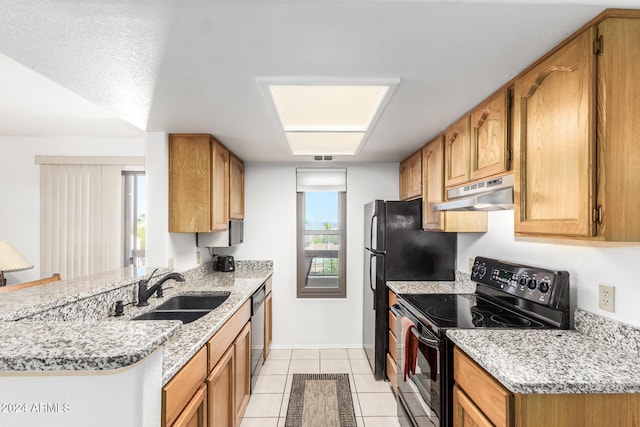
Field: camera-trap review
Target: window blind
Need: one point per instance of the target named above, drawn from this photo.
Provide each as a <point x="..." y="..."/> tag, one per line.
<point x="321" y="179"/>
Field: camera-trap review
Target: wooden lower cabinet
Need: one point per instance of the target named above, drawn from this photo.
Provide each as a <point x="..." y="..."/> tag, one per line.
<point x="480" y="400"/>
<point x="465" y="412"/>
<point x="268" y="323"/>
<point x="195" y="413"/>
<point x="220" y="387"/>
<point x="242" y="371"/>
<point x="213" y="388"/>
<point x="180" y="392"/>
<point x="392" y="373"/>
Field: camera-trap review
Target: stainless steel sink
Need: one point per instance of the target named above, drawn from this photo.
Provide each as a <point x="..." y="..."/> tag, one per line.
<point x="185" y="316"/>
<point x="194" y="302"/>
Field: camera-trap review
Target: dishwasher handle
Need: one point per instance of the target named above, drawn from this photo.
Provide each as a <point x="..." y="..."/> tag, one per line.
<point x="257" y="299"/>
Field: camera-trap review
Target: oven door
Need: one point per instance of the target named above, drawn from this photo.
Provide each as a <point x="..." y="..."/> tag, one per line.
<point x="420" y="400"/>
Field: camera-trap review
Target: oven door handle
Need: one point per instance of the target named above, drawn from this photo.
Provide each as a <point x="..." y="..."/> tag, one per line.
<point x="429" y="341"/>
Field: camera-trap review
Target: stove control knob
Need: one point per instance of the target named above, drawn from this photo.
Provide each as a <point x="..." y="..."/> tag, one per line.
<point x="532" y="284"/>
<point x="544" y="287"/>
<point x="474" y="269"/>
<point x="482" y="270"/>
<point x="523" y="281"/>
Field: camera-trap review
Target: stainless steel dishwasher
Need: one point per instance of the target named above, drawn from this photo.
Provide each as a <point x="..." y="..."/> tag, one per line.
<point x="257" y="333"/>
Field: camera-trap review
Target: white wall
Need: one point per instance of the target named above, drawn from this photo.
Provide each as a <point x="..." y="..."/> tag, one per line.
<point x="270" y="233"/>
<point x="20" y="186"/>
<point x="588" y="263"/>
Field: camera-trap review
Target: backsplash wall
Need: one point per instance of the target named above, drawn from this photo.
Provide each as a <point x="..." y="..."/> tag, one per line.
<point x="588" y="263"/>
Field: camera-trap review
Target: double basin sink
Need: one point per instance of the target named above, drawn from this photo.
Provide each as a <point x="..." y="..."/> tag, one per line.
<point x="185" y="308"/>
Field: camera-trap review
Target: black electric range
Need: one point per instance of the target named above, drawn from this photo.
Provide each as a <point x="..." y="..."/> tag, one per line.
<point x="507" y="295"/>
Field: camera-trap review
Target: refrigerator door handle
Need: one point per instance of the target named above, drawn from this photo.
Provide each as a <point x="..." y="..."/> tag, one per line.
<point x="374" y="245"/>
<point x="372" y="279"/>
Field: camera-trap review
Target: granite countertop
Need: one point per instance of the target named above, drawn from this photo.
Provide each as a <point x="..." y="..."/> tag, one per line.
<point x="25" y="302"/>
<point x="192" y="336"/>
<point x="64" y="346"/>
<point x="461" y="285"/>
<point x="114" y="342"/>
<point x="552" y="361"/>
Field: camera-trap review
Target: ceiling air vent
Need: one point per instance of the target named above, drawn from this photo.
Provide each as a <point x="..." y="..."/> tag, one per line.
<point x="321" y="158"/>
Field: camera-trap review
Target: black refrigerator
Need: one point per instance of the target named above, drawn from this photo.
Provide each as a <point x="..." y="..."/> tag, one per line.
<point x="396" y="248"/>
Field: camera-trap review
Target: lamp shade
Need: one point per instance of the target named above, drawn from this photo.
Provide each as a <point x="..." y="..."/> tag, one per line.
<point x="11" y="260"/>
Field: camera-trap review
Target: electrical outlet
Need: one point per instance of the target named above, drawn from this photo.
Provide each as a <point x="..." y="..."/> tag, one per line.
<point x="607" y="297"/>
<point x="470" y="264"/>
<point x="170" y="263"/>
<point x="197" y="257"/>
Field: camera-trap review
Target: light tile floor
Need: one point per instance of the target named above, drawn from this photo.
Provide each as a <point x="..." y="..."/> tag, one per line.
<point x="373" y="401"/>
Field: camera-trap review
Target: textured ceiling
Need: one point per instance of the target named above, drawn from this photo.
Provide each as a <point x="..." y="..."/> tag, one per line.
<point x="195" y="65"/>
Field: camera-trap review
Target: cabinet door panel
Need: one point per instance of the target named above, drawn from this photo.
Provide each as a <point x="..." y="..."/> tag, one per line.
<point x="220" y="188"/>
<point x="457" y="153"/>
<point x="242" y="348"/>
<point x="195" y="413"/>
<point x="555" y="145"/>
<point x="433" y="184"/>
<point x="489" y="142"/>
<point x="220" y="391"/>
<point x="465" y="413"/>
<point x="411" y="177"/>
<point x="236" y="188"/>
<point x="268" y="324"/>
<point x="189" y="180"/>
<point x="618" y="110"/>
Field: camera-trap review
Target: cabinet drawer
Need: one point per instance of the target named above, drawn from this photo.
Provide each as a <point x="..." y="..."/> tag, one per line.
<point x="222" y="339"/>
<point x="392" y="373"/>
<point x="489" y="395"/>
<point x="195" y="413"/>
<point x="392" y="322"/>
<point x="392" y="298"/>
<point x="179" y="391"/>
<point x="392" y="345"/>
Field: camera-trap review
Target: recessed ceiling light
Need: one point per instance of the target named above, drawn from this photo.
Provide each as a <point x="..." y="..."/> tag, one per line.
<point x="333" y="143"/>
<point x="328" y="117"/>
<point x="327" y="108"/>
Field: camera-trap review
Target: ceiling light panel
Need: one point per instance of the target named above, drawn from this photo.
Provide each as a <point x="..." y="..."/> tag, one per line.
<point x="321" y="143"/>
<point x="327" y="107"/>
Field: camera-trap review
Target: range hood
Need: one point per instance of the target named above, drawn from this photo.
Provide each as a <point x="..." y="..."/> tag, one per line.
<point x="491" y="195"/>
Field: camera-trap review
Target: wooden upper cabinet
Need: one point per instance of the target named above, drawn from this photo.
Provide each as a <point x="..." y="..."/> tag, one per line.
<point x="433" y="192"/>
<point x="411" y="177"/>
<point x="206" y="184"/>
<point x="457" y="153"/>
<point x="433" y="184"/>
<point x="554" y="145"/>
<point x="489" y="137"/>
<point x="236" y="188"/>
<point x="189" y="183"/>
<point x="220" y="188"/>
<point x="618" y="110"/>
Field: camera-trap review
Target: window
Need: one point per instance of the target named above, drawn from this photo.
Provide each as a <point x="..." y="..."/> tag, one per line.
<point x="321" y="219"/>
<point x="135" y="213"/>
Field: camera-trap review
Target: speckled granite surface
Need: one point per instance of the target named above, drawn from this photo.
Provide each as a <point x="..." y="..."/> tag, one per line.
<point x="30" y="302"/>
<point x="83" y="342"/>
<point x="192" y="336"/>
<point x="63" y="346"/>
<point x="550" y="361"/>
<point x="462" y="285"/>
<point x="613" y="333"/>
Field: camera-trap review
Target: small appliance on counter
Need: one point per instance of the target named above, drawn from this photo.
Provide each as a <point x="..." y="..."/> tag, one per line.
<point x="224" y="263"/>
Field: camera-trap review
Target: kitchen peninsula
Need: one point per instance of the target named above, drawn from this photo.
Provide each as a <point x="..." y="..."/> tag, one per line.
<point x="66" y="360"/>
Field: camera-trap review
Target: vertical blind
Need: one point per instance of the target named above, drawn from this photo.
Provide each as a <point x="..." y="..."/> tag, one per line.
<point x="80" y="219"/>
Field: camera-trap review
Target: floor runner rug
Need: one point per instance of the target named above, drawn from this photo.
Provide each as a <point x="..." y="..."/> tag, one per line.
<point x="320" y="400"/>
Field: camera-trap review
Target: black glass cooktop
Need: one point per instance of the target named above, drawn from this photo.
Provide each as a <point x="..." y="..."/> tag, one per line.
<point x="466" y="311"/>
